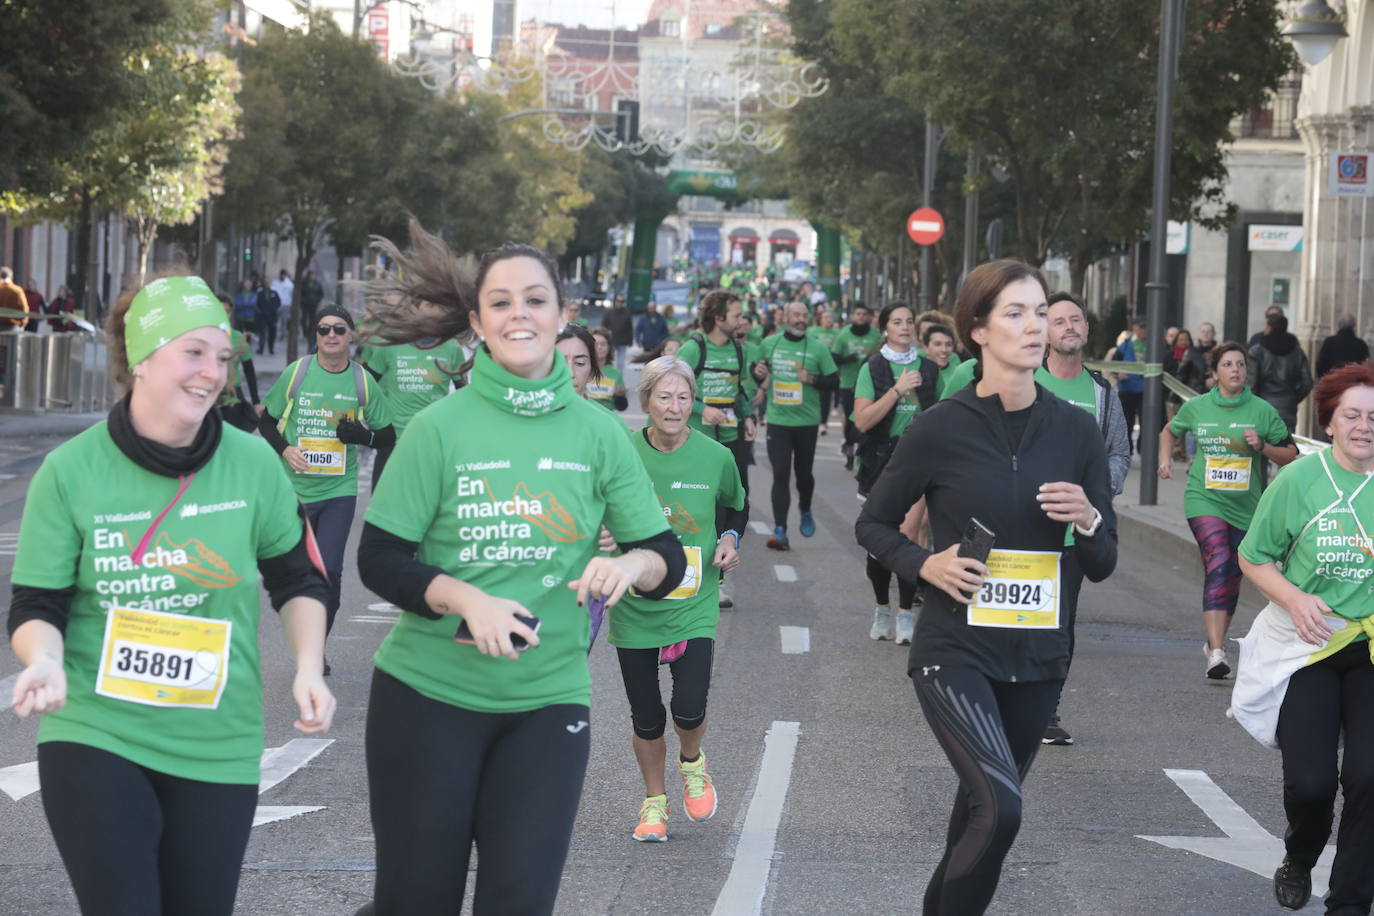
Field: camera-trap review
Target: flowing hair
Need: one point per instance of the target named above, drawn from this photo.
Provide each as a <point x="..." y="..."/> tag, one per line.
<point x="428" y="294"/>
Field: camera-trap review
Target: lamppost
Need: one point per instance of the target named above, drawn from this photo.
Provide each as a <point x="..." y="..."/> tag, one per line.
<point x="1314" y="30"/>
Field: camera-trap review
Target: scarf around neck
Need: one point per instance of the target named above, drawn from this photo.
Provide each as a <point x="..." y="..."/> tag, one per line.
<point x="523" y="397"/>
<point x="167" y="460"/>
<point x="1238" y="401"/>
<point x="900" y="359"/>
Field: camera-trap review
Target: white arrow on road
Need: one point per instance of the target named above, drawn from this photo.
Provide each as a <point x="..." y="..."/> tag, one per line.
<point x="278" y="763"/>
<point x="1246" y="845"/>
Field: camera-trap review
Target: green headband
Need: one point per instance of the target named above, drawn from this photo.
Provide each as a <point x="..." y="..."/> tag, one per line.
<point x="167" y="308"/>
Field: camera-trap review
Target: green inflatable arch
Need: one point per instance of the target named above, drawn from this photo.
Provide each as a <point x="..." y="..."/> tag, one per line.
<point x="723" y="185"/>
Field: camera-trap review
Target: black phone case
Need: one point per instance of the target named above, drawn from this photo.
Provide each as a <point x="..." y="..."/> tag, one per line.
<point x="464" y="635"/>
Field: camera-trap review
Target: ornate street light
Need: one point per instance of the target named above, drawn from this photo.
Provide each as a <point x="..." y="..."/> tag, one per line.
<point x="1314" y="29"/>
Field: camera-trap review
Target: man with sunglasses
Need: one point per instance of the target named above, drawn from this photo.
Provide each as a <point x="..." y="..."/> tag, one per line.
<point x="317" y="414"/>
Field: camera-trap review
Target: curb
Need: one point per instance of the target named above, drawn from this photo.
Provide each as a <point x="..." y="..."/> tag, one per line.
<point x="1137" y="532"/>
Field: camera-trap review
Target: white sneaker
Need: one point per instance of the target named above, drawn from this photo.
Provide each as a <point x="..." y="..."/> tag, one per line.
<point x="882" y="624"/>
<point x="1218" y="667"/>
<point x="906" y="627"/>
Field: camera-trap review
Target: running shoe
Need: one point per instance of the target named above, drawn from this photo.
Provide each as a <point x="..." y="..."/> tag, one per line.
<point x="779" y="539"/>
<point x="823" y="429"/>
<point x="906" y="627"/>
<point x="698" y="795"/>
<point x="725" y="600"/>
<point x="808" y="524"/>
<point x="1292" y="885"/>
<point x="883" y="623"/>
<point x="653" y="820"/>
<point x="1056" y="735"/>
<point x="1217" y="665"/>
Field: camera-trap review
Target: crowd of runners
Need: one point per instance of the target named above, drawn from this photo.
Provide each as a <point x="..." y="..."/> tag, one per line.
<point x="514" y="517"/>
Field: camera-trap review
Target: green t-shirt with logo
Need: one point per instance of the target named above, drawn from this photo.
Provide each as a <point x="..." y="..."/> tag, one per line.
<point x="956" y="378"/>
<point x="792" y="402"/>
<point x="907" y="407"/>
<point x="1331" y="557"/>
<point x="848" y="343"/>
<point x="515" y="512"/>
<point x="718" y="385"/>
<point x="242" y="353"/>
<point x="823" y="336"/>
<point x="1080" y="391"/>
<point x="1224" y="477"/>
<point x="413" y="377"/>
<point x="602" y="391"/>
<point x="324" y="399"/>
<point x="690" y="482"/>
<point x="142" y="682"/>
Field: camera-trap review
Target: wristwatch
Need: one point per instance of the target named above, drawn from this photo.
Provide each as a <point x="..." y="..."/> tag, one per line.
<point x="1091" y="529"/>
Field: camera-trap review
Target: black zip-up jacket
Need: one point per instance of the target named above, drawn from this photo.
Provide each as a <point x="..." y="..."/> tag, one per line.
<point x="960" y="456"/>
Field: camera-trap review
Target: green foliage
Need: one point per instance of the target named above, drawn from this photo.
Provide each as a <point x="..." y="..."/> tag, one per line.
<point x="620" y="185"/>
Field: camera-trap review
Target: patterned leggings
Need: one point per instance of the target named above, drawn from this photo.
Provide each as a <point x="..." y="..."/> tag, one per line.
<point x="1218" y="541"/>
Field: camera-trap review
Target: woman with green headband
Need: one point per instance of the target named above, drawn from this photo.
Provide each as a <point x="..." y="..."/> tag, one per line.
<point x="135" y="614"/>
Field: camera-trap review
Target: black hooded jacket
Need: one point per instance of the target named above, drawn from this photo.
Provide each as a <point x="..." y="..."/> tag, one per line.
<point x="961" y="456"/>
<point x="1278" y="373"/>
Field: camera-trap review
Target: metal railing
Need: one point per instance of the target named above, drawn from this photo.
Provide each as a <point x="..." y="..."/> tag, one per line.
<point x="67" y="372"/>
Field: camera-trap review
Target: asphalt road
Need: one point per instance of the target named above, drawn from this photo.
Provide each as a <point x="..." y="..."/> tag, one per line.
<point x="860" y="807"/>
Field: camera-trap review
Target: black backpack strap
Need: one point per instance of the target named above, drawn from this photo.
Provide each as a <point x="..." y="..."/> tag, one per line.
<point x="880" y="372"/>
<point x="700" y="341"/>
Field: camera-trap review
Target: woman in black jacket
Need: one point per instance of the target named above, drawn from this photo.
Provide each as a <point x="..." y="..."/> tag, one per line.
<point x="992" y="645"/>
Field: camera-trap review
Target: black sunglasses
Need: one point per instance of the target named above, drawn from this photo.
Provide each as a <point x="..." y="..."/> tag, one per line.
<point x="325" y="329"/>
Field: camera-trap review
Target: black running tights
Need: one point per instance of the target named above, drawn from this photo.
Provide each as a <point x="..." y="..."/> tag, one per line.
<point x="442" y="777"/>
<point x="990" y="731"/>
<point x="1322" y="700"/>
<point x="881" y="577"/>
<point x="137" y="842"/>
<point x="791" y="447"/>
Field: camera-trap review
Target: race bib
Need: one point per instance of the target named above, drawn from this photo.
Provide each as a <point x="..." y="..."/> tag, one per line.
<point x="691" y="578"/>
<point x="1227" y="473"/>
<point x="1021" y="591"/>
<point x="787" y="393"/>
<point x="164" y="659"/>
<point x="324" y="456"/>
<point x="601" y="391"/>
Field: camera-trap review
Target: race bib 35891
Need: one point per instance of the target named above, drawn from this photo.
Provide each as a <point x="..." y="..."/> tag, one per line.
<point x="162" y="659"/>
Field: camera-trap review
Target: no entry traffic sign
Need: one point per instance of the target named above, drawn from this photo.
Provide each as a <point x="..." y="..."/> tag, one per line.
<point x="925" y="226"/>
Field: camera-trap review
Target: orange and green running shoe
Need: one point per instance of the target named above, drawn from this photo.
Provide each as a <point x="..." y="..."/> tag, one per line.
<point x="653" y="820"/>
<point x="698" y="795"/>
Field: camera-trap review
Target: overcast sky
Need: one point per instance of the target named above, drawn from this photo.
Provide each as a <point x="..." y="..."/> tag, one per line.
<point x="594" y="13"/>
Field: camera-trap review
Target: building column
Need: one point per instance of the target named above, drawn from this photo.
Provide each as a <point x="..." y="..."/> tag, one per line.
<point x="1323" y="244"/>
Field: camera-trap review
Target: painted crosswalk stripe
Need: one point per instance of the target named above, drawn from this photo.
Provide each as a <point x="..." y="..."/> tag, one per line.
<point x="761" y="527"/>
<point x="747" y="883"/>
<point x="785" y="573"/>
<point x="6" y="688"/>
<point x="280" y="762"/>
<point x="795" y="640"/>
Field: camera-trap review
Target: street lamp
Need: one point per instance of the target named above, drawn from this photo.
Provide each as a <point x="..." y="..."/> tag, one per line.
<point x="1314" y="30"/>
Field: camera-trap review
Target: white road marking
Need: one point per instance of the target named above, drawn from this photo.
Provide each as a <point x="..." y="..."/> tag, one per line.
<point x="1246" y="845"/>
<point x="19" y="781"/>
<point x="761" y="527"/>
<point x="7" y="688"/>
<point x="267" y="814"/>
<point x="795" y="640"/>
<point x="374" y="618"/>
<point x="9" y="544"/>
<point x="384" y="606"/>
<point x="747" y="883"/>
<point x="785" y="573"/>
<point x="280" y="762"/>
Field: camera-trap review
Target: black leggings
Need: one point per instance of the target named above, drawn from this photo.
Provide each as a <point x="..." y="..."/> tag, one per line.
<point x="331" y="519"/>
<point x="881" y="577"/>
<point x="743" y="453"/>
<point x="827" y="399"/>
<point x="137" y="842"/>
<point x="990" y="731"/>
<point x="379" y="459"/>
<point x="1323" y="699"/>
<point x="791" y="447"/>
<point x="691" y="683"/>
<point x="442" y="777"/>
<point x="851" y="432"/>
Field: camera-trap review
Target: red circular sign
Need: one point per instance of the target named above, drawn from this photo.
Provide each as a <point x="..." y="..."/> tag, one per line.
<point x="925" y="226"/>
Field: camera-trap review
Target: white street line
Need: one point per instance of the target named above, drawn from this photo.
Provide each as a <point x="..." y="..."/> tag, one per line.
<point x="761" y="527"/>
<point x="785" y="573"/>
<point x="384" y="606"/>
<point x="19" y="781"/>
<point x="374" y="618"/>
<point x="267" y="814"/>
<point x="747" y="883"/>
<point x="1246" y="845"/>
<point x="795" y="640"/>
<point x="7" y="688"/>
<point x="280" y="762"/>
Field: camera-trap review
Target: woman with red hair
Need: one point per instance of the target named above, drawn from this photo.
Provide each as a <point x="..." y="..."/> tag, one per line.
<point x="1307" y="667"/>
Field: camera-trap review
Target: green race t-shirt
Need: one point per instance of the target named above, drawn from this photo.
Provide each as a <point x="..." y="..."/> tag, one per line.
<point x="690" y="482"/>
<point x="957" y="378"/>
<point x="1328" y="554"/>
<point x="718" y="385"/>
<point x="515" y="512"/>
<point x="907" y="407"/>
<point x="1080" y="391"/>
<point x="602" y="391"/>
<point x="324" y="399"/>
<point x="848" y="343"/>
<point x="792" y="402"/>
<point x="180" y="708"/>
<point x="413" y="377"/>
<point x="823" y="336"/>
<point x="1224" y="477"/>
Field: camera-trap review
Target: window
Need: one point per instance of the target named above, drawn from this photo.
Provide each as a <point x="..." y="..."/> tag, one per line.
<point x="712" y="29"/>
<point x="672" y="28"/>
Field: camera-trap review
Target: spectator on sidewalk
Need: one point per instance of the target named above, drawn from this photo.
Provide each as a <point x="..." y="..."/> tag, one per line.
<point x="312" y="294"/>
<point x="652" y="328"/>
<point x="246" y="306"/>
<point x="37" y="304"/>
<point x="63" y="303"/>
<point x="1278" y="370"/>
<point x="268" y="305"/>
<point x="12" y="299"/>
<point x="285" y="288"/>
<point x="1270" y="312"/>
<point x="1345" y="346"/>
<point x="1130" y="386"/>
<point x="620" y="323"/>
<point x="1206" y="337"/>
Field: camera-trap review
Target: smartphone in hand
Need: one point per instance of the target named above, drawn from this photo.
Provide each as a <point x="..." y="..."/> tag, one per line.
<point x="976" y="544"/>
<point x="518" y="642"/>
